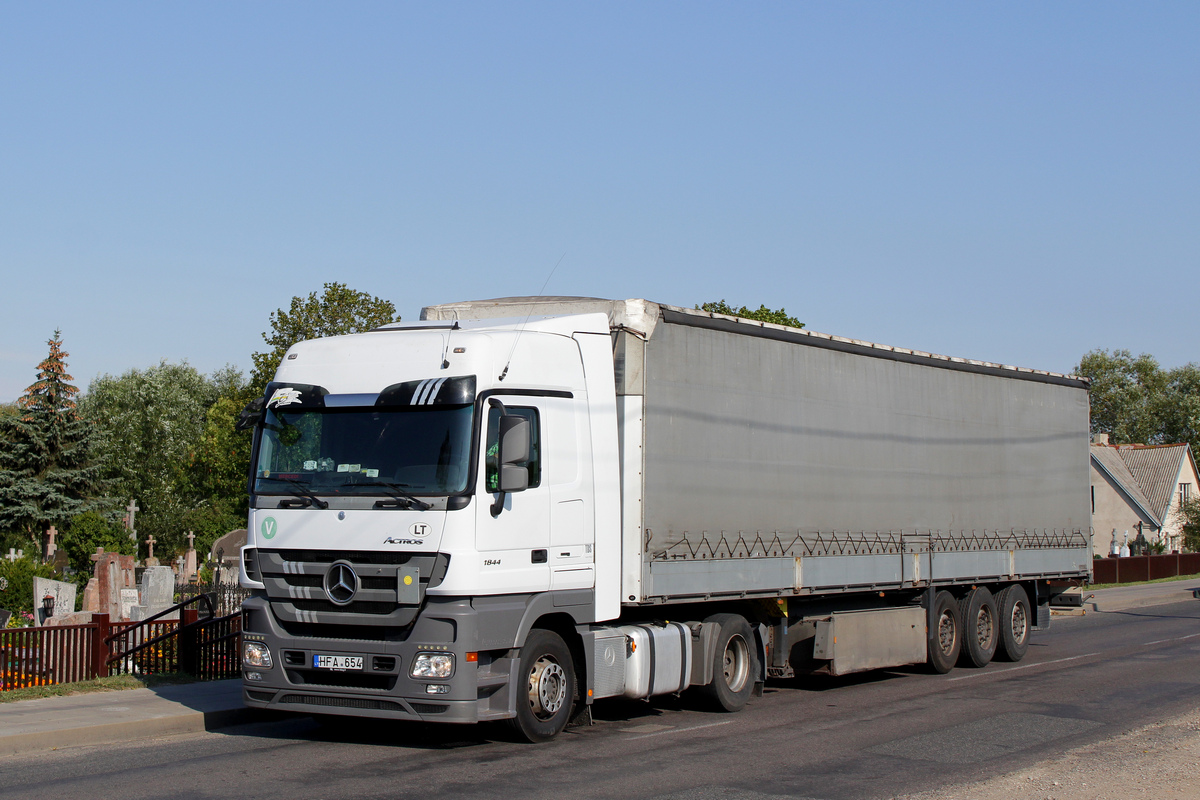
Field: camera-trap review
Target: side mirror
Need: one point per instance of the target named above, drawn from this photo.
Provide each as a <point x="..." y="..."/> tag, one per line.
<point x="250" y="415"/>
<point x="514" y="452"/>
<point x="513" y="456"/>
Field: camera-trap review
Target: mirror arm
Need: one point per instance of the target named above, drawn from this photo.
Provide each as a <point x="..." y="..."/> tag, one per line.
<point x="498" y="503"/>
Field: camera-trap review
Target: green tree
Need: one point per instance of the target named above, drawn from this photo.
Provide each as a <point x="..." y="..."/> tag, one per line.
<point x="49" y="471"/>
<point x="149" y="426"/>
<point x="338" y="310"/>
<point x="1126" y="395"/>
<point x="1189" y="519"/>
<point x="1180" y="410"/>
<point x="16" y="585"/>
<point x="1136" y="401"/>
<point x="220" y="463"/>
<point x="762" y="314"/>
<point x="84" y="534"/>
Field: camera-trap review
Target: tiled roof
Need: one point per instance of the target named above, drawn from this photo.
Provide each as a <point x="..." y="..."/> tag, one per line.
<point x="1156" y="469"/>
<point x="1110" y="460"/>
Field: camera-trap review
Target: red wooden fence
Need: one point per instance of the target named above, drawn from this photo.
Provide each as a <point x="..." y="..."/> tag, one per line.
<point x="1144" y="568"/>
<point x="208" y="648"/>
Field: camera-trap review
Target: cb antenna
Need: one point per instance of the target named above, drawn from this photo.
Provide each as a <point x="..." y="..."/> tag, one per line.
<point x="524" y="322"/>
<point x="446" y="346"/>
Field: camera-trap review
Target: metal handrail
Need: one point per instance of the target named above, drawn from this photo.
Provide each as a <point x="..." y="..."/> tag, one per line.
<point x="162" y="636"/>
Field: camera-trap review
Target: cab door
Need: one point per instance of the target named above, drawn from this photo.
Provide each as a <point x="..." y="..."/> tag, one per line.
<point x="513" y="544"/>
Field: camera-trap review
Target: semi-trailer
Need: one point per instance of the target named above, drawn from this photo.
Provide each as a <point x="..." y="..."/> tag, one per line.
<point x="514" y="508"/>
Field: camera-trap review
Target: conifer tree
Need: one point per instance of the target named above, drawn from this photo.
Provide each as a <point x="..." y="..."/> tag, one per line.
<point x="47" y="470"/>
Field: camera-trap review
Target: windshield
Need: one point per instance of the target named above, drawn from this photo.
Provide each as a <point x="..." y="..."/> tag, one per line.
<point x="365" y="450"/>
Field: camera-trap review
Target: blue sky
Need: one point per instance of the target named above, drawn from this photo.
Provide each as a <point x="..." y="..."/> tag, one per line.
<point x="1010" y="182"/>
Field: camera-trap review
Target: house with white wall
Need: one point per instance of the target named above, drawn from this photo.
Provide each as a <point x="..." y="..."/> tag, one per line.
<point x="1138" y="489"/>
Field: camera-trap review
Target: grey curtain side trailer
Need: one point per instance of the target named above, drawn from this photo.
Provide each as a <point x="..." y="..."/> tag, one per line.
<point x="782" y="463"/>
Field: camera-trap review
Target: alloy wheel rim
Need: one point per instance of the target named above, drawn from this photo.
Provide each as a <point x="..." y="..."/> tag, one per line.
<point x="547" y="688"/>
<point x="735" y="663"/>
<point x="946" y="633"/>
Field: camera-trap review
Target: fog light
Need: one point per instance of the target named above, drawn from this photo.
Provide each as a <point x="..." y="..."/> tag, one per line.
<point x="433" y="665"/>
<point x="437" y="688"/>
<point x="256" y="654"/>
<point x="254" y="676"/>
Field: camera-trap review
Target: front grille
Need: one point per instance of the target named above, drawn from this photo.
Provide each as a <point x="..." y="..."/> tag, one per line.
<point x="383" y="663"/>
<point x="359" y="607"/>
<point x="295" y="586"/>
<point x="294" y="658"/>
<point x="361" y="633"/>
<point x="314" y="581"/>
<point x="354" y="557"/>
<point x="342" y="680"/>
<point x="428" y="708"/>
<point x="342" y="702"/>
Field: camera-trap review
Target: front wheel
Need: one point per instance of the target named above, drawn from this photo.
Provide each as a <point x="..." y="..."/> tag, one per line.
<point x="735" y="665"/>
<point x="547" y="694"/>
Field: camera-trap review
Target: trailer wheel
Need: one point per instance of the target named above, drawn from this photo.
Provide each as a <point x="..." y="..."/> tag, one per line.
<point x="547" y="692"/>
<point x="735" y="665"/>
<point x="945" y="634"/>
<point x="1015" y="621"/>
<point x="980" y="627"/>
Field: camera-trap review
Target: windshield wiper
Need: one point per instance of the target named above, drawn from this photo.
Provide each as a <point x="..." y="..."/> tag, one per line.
<point x="301" y="491"/>
<point x="398" y="493"/>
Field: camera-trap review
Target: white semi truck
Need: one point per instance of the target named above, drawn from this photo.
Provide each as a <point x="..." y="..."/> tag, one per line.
<point x="514" y="508"/>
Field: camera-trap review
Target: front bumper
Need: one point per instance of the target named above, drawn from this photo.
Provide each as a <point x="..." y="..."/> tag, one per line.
<point x="384" y="687"/>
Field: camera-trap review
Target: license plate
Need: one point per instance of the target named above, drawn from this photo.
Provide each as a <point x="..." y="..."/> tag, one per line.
<point x="338" y="663"/>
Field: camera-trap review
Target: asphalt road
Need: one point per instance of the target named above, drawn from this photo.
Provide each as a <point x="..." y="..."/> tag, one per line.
<point x="872" y="736"/>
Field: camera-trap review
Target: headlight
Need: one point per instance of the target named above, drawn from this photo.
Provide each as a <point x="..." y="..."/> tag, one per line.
<point x="433" y="665"/>
<point x="256" y="654"/>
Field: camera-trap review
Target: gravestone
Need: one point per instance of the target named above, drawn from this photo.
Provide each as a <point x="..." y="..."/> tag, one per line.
<point x="62" y="563"/>
<point x="62" y="592"/>
<point x="227" y="551"/>
<point x="113" y="572"/>
<point x="5" y="616"/>
<point x="51" y="547"/>
<point x="129" y="601"/>
<point x="188" y="570"/>
<point x="157" y="594"/>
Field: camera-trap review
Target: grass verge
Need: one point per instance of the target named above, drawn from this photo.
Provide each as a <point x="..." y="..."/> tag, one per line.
<point x="1145" y="583"/>
<point x="113" y="683"/>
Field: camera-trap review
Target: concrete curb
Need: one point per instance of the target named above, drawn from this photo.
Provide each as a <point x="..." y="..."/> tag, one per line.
<point x="128" y="730"/>
<point x="1127" y="600"/>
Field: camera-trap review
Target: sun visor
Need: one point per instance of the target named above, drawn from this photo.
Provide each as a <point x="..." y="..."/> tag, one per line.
<point x="294" y="395"/>
<point x="430" y="392"/>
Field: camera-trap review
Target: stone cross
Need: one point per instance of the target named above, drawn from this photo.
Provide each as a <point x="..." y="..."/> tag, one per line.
<point x="13" y="555"/>
<point x="132" y="508"/>
<point x="150" y="543"/>
<point x="191" y="537"/>
<point x="51" y="547"/>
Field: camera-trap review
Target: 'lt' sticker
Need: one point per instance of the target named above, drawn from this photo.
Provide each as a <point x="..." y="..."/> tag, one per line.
<point x="269" y="527"/>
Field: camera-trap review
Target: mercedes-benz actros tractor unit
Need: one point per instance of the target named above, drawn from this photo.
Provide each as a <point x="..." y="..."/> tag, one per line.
<point x="514" y="508"/>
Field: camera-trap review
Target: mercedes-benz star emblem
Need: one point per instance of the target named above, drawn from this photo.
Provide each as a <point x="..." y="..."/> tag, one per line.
<point x="341" y="583"/>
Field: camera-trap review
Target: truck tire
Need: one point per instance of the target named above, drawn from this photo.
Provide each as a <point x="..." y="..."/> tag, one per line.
<point x="735" y="664"/>
<point x="1015" y="620"/>
<point x="980" y="628"/>
<point x="945" y="634"/>
<point x="547" y="690"/>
